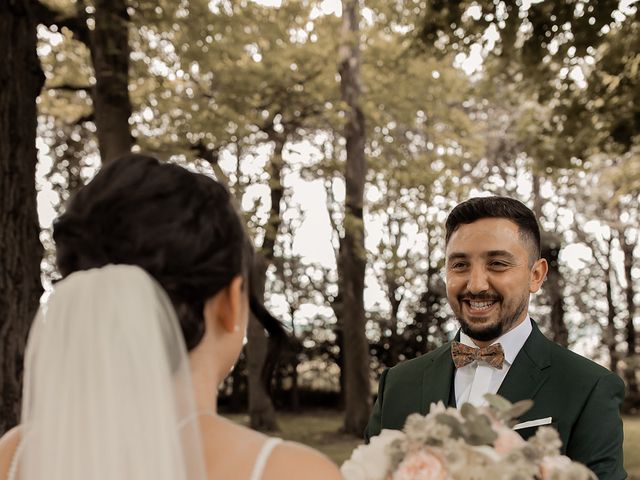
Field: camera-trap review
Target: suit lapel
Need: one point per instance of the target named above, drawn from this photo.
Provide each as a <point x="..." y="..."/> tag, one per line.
<point x="529" y="370"/>
<point x="436" y="380"/>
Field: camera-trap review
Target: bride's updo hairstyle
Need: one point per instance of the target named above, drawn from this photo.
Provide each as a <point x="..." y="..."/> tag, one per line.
<point x="179" y="226"/>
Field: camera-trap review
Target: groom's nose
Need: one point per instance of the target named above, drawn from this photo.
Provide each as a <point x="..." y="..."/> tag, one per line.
<point x="477" y="281"/>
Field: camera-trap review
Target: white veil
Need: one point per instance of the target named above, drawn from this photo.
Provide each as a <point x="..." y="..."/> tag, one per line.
<point x="108" y="391"/>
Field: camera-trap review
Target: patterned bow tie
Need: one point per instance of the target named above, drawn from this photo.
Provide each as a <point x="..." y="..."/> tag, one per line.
<point x="463" y="355"/>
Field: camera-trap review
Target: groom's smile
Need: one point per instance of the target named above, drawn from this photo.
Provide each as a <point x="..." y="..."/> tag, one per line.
<point x="479" y="305"/>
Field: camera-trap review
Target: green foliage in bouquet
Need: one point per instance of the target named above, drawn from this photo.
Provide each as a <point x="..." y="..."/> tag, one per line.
<point x="473" y="443"/>
<point x="505" y="411"/>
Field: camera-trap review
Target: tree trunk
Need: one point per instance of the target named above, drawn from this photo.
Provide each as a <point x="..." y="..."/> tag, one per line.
<point x="551" y="244"/>
<point x="395" y="339"/>
<point x="238" y="398"/>
<point x="294" y="397"/>
<point x="108" y="43"/>
<point x="261" y="411"/>
<point x="110" y="55"/>
<point x="339" y="331"/>
<point x="262" y="415"/>
<point x="611" y="330"/>
<point x="631" y="336"/>
<point x="21" y="79"/>
<point x="356" y="352"/>
<point x="633" y="390"/>
<point x="277" y="192"/>
<point x="554" y="289"/>
<point x="611" y="327"/>
<point x="295" y="388"/>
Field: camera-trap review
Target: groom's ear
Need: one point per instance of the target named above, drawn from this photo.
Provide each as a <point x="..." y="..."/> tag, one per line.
<point x="538" y="274"/>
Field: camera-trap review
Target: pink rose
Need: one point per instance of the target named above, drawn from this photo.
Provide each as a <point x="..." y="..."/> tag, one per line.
<point x="507" y="439"/>
<point x="556" y="463"/>
<point x="420" y="465"/>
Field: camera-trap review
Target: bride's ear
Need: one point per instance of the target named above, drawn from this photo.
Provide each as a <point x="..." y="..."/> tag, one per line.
<point x="226" y="306"/>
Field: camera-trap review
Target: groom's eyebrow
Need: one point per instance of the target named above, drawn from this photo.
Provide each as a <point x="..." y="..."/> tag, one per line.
<point x="457" y="256"/>
<point x="501" y="253"/>
<point x="490" y="254"/>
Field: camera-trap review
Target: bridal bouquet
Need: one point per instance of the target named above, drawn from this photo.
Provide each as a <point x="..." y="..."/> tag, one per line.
<point x="473" y="443"/>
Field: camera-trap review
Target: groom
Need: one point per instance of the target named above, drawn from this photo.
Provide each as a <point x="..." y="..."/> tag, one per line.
<point x="493" y="264"/>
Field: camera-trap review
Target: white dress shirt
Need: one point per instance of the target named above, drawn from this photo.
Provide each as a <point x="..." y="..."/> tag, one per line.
<point x="472" y="381"/>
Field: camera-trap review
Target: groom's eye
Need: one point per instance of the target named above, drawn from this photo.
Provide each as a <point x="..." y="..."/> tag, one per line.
<point x="457" y="266"/>
<point x="498" y="265"/>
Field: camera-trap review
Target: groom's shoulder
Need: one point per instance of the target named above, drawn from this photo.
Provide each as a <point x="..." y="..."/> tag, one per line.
<point x="418" y="364"/>
<point x="575" y="365"/>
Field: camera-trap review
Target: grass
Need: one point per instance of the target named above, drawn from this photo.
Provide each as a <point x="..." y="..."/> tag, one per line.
<point x="320" y="429"/>
<point x="317" y="428"/>
<point x="632" y="446"/>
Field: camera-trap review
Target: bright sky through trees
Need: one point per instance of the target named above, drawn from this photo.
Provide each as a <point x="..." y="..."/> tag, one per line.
<point x="308" y="199"/>
<point x="312" y="238"/>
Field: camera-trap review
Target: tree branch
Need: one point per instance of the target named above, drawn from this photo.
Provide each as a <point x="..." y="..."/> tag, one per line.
<point x="76" y="23"/>
<point x="90" y="117"/>
<point x="70" y="88"/>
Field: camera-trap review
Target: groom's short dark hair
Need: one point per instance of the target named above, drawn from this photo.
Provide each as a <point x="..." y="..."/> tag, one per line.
<point x="497" y="207"/>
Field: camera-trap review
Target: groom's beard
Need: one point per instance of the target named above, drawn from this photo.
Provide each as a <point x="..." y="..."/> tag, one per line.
<point x="494" y="330"/>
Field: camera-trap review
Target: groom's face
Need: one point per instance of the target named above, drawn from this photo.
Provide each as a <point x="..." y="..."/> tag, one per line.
<point x="490" y="275"/>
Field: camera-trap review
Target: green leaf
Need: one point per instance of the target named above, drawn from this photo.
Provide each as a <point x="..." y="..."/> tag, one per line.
<point x="458" y="429"/>
<point x="499" y="403"/>
<point x="518" y="409"/>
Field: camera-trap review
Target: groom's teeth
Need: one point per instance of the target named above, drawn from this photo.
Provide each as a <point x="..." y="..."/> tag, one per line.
<point x="480" y="305"/>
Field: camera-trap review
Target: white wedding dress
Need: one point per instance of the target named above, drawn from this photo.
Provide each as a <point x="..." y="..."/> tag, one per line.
<point x="256" y="474"/>
<point x="107" y="385"/>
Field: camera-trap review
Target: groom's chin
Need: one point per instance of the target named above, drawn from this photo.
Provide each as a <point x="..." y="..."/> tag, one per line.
<point x="481" y="333"/>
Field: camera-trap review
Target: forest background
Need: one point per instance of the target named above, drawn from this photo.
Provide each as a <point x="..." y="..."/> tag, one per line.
<point x="346" y="131"/>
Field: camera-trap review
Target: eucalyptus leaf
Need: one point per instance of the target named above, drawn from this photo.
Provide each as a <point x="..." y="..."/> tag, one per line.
<point x="517" y="410"/>
<point x="479" y="431"/>
<point x="458" y="429"/>
<point x="468" y="410"/>
<point x="501" y="404"/>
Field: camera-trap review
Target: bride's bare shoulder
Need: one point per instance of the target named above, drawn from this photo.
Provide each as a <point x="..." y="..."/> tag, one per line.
<point x="8" y="445"/>
<point x="294" y="460"/>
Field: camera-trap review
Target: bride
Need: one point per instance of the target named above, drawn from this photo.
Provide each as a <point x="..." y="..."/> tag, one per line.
<point x="124" y="360"/>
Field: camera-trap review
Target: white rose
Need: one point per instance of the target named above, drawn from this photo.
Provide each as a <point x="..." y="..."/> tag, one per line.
<point x="371" y="462"/>
<point x="437" y="408"/>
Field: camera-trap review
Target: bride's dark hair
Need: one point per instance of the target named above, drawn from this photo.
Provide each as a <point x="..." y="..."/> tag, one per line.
<point x="179" y="226"/>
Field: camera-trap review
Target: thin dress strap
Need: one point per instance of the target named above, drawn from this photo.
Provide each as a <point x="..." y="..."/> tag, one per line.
<point x="263" y="457"/>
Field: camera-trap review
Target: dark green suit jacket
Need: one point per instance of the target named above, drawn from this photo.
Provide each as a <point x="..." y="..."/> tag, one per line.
<point x="582" y="398"/>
